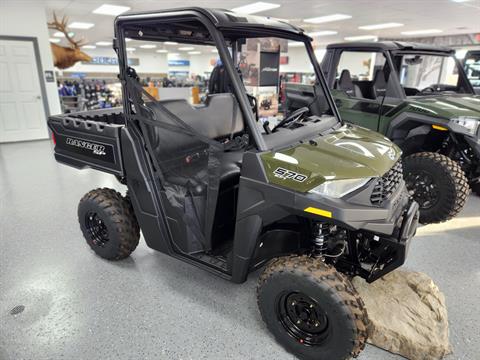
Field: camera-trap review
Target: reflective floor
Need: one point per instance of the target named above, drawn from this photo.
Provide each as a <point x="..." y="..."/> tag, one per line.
<point x="150" y="306"/>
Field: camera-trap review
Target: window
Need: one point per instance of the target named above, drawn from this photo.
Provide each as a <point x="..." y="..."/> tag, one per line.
<point x="472" y="68"/>
<point x="420" y="72"/>
<point x="361" y="74"/>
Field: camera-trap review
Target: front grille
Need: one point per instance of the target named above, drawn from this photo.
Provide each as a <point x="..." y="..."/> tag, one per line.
<point x="387" y="184"/>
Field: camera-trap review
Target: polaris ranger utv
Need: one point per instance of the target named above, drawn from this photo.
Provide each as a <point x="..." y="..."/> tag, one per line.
<point x="315" y="200"/>
<point x="418" y="96"/>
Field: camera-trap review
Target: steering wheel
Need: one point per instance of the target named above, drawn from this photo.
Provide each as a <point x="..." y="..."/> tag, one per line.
<point x="294" y="116"/>
<point x="427" y="90"/>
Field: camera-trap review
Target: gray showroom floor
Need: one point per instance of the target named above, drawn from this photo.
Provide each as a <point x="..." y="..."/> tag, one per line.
<point x="150" y="306"/>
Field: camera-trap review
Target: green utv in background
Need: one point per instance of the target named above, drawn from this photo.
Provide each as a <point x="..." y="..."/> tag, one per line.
<point x="418" y="96"/>
<point x="313" y="200"/>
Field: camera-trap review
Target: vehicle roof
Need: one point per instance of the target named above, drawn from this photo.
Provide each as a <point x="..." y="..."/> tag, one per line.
<point x="391" y="45"/>
<point x="222" y="18"/>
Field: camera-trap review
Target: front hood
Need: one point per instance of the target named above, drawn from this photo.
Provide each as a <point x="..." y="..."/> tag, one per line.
<point x="450" y="106"/>
<point x="350" y="152"/>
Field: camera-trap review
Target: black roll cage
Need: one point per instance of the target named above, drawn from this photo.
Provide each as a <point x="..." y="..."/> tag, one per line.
<point x="217" y="33"/>
<point x="389" y="54"/>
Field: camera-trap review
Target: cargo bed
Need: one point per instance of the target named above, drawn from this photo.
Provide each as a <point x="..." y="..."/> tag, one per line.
<point x="89" y="139"/>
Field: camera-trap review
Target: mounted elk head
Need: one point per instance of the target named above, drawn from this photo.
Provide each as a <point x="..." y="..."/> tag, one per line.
<point x="65" y="57"/>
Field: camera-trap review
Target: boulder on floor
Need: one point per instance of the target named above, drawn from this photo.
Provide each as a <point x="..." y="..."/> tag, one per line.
<point x="407" y="315"/>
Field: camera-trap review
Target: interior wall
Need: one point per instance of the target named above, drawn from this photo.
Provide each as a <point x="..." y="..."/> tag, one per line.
<point x="33" y="23"/>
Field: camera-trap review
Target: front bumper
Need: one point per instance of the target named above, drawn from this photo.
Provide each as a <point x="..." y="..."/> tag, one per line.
<point x="393" y="250"/>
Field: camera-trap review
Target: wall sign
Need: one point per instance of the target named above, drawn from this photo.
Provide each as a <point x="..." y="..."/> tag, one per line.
<point x="269" y="68"/>
<point x="49" y="76"/>
<point x="106" y="60"/>
<point x="178" y="62"/>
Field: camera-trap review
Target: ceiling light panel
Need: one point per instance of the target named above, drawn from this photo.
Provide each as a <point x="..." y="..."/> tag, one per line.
<point x="148" y="46"/>
<point x="54" y="40"/>
<point x="327" y="18"/>
<point x="361" y="38"/>
<point x="194" y="52"/>
<point x="186" y="48"/>
<point x="112" y="10"/>
<point x="255" y="7"/>
<point x="162" y="51"/>
<point x="422" y="32"/>
<point x="89" y="47"/>
<point x="322" y="33"/>
<point x="80" y="25"/>
<point x="103" y="43"/>
<point x="380" y="26"/>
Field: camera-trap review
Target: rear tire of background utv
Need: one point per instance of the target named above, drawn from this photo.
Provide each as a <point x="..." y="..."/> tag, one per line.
<point x="308" y="287"/>
<point x="108" y="224"/>
<point x="451" y="185"/>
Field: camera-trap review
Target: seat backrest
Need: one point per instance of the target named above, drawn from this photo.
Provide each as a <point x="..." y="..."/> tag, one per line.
<point x="379" y="83"/>
<point x="346" y="84"/>
<point x="218" y="118"/>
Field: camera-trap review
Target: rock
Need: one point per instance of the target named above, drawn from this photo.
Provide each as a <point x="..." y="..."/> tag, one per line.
<point x="407" y="315"/>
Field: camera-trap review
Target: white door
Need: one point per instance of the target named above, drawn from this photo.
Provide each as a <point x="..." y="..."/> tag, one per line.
<point x="22" y="115"/>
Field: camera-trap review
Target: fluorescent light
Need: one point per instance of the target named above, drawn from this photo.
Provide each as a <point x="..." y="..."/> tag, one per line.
<point x="89" y="47"/>
<point x="361" y="37"/>
<point x="186" y="48"/>
<point x="112" y="10"/>
<point x="130" y="49"/>
<point x="162" y="51"/>
<point x="170" y="43"/>
<point x="380" y="26"/>
<point x="128" y="39"/>
<point x="215" y="51"/>
<point x="148" y="46"/>
<point x="62" y="35"/>
<point x="422" y="32"/>
<point x="322" y="33"/>
<point x="295" y="44"/>
<point x="194" y="52"/>
<point x="255" y="7"/>
<point x="103" y="43"/>
<point x="327" y="18"/>
<point x="80" y="25"/>
<point x="53" y="40"/>
<point x="460" y="1"/>
<point x="173" y="54"/>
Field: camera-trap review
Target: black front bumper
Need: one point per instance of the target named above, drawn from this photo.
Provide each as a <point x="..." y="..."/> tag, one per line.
<point x="393" y="250"/>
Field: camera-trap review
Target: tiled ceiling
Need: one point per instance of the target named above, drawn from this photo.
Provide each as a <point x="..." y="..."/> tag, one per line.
<point x="450" y="16"/>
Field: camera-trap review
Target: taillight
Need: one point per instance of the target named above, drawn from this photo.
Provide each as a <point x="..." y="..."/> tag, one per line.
<point x="53" y="139"/>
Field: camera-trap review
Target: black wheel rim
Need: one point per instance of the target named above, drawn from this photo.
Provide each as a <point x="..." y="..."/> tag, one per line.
<point x="423" y="188"/>
<point x="96" y="228"/>
<point x="303" y="318"/>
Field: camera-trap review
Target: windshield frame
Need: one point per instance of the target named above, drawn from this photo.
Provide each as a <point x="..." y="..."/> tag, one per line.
<point x="465" y="83"/>
<point x="220" y="36"/>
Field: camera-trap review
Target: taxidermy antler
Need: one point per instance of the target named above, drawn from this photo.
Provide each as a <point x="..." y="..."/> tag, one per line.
<point x="64" y="57"/>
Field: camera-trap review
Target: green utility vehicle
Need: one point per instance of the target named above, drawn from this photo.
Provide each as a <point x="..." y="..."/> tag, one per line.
<point x="418" y="96"/>
<point x="315" y="200"/>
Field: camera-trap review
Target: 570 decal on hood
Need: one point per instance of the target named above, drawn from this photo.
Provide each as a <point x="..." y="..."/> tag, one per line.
<point x="97" y="149"/>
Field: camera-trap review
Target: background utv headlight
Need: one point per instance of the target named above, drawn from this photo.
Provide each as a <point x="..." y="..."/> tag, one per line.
<point x="465" y="125"/>
<point x="339" y="188"/>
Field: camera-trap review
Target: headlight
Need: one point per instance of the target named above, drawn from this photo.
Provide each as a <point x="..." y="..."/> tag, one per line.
<point x="339" y="188"/>
<point x="465" y="125"/>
